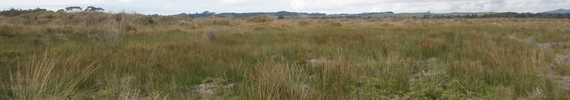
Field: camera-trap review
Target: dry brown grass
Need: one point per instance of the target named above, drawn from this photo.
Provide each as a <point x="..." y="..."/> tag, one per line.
<point x="260" y="19"/>
<point x="143" y="20"/>
<point x="431" y="44"/>
<point x="7" y="31"/>
<point x="331" y="22"/>
<point x="210" y="35"/>
<point x="168" y="20"/>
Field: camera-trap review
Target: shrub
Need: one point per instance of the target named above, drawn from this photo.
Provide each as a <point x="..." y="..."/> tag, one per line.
<point x="17" y="30"/>
<point x="6" y="31"/>
<point x="168" y="20"/>
<point x="218" y="22"/>
<point x="143" y="20"/>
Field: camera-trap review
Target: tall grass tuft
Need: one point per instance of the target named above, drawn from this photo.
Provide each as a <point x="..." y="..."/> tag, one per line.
<point x="49" y="77"/>
<point x="210" y="36"/>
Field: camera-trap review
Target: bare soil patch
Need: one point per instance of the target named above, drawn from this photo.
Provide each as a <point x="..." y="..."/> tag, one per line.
<point x="552" y="45"/>
<point x="211" y="89"/>
<point x="527" y="40"/>
<point x="562" y="60"/>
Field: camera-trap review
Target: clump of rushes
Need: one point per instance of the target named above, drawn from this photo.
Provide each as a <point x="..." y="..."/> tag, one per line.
<point x="210" y="36"/>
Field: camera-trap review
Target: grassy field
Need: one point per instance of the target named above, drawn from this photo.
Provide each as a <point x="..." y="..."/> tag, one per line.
<point x="131" y="56"/>
<point x="420" y="15"/>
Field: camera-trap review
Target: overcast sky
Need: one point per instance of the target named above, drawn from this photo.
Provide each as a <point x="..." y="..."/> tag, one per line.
<point x="323" y="6"/>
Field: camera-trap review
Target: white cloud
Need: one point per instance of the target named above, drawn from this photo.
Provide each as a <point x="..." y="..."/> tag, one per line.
<point x="236" y="2"/>
<point x="470" y="7"/>
<point x="422" y="7"/>
<point x="375" y="5"/>
<point x="316" y="5"/>
<point x="432" y="5"/>
<point x="125" y="1"/>
<point x="490" y="7"/>
<point x="247" y="2"/>
<point x="170" y="5"/>
<point x="48" y="2"/>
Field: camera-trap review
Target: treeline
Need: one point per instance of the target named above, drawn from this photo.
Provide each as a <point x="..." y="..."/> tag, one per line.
<point x="16" y="11"/>
<point x="502" y="15"/>
<point x="196" y="15"/>
<point x="248" y="15"/>
<point x="280" y="13"/>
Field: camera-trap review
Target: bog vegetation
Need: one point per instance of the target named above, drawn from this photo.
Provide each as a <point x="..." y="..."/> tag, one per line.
<point x="96" y="55"/>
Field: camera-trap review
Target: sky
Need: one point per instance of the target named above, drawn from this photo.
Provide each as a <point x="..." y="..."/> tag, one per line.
<point x="168" y="7"/>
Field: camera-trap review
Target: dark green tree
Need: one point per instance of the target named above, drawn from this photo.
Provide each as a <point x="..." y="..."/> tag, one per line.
<point x="93" y="9"/>
<point x="73" y="8"/>
<point x="60" y="11"/>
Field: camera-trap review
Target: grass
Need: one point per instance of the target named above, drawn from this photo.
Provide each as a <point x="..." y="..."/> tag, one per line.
<point x="130" y="56"/>
<point x="420" y="15"/>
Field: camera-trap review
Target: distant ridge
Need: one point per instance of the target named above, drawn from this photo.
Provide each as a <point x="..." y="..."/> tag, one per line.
<point x="559" y="11"/>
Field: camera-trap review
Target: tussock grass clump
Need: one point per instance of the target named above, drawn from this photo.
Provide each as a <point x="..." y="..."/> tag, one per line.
<point x="333" y="23"/>
<point x="373" y="19"/>
<point x="10" y="31"/>
<point x="107" y="27"/>
<point x="432" y="47"/>
<point x="40" y="40"/>
<point x="143" y="20"/>
<point x="49" y="77"/>
<point x="215" y="22"/>
<point x="219" y="22"/>
<point x="10" y="54"/>
<point x="7" y="31"/>
<point x="168" y="20"/>
<point x="260" y="19"/>
<point x="303" y="22"/>
<point x="210" y="36"/>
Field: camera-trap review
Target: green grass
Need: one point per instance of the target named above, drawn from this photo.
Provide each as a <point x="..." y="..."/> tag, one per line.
<point x="364" y="60"/>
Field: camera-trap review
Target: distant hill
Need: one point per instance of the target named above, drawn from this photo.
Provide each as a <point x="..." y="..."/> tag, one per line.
<point x="559" y="11"/>
<point x="250" y="14"/>
<point x="284" y="14"/>
<point x="558" y="14"/>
